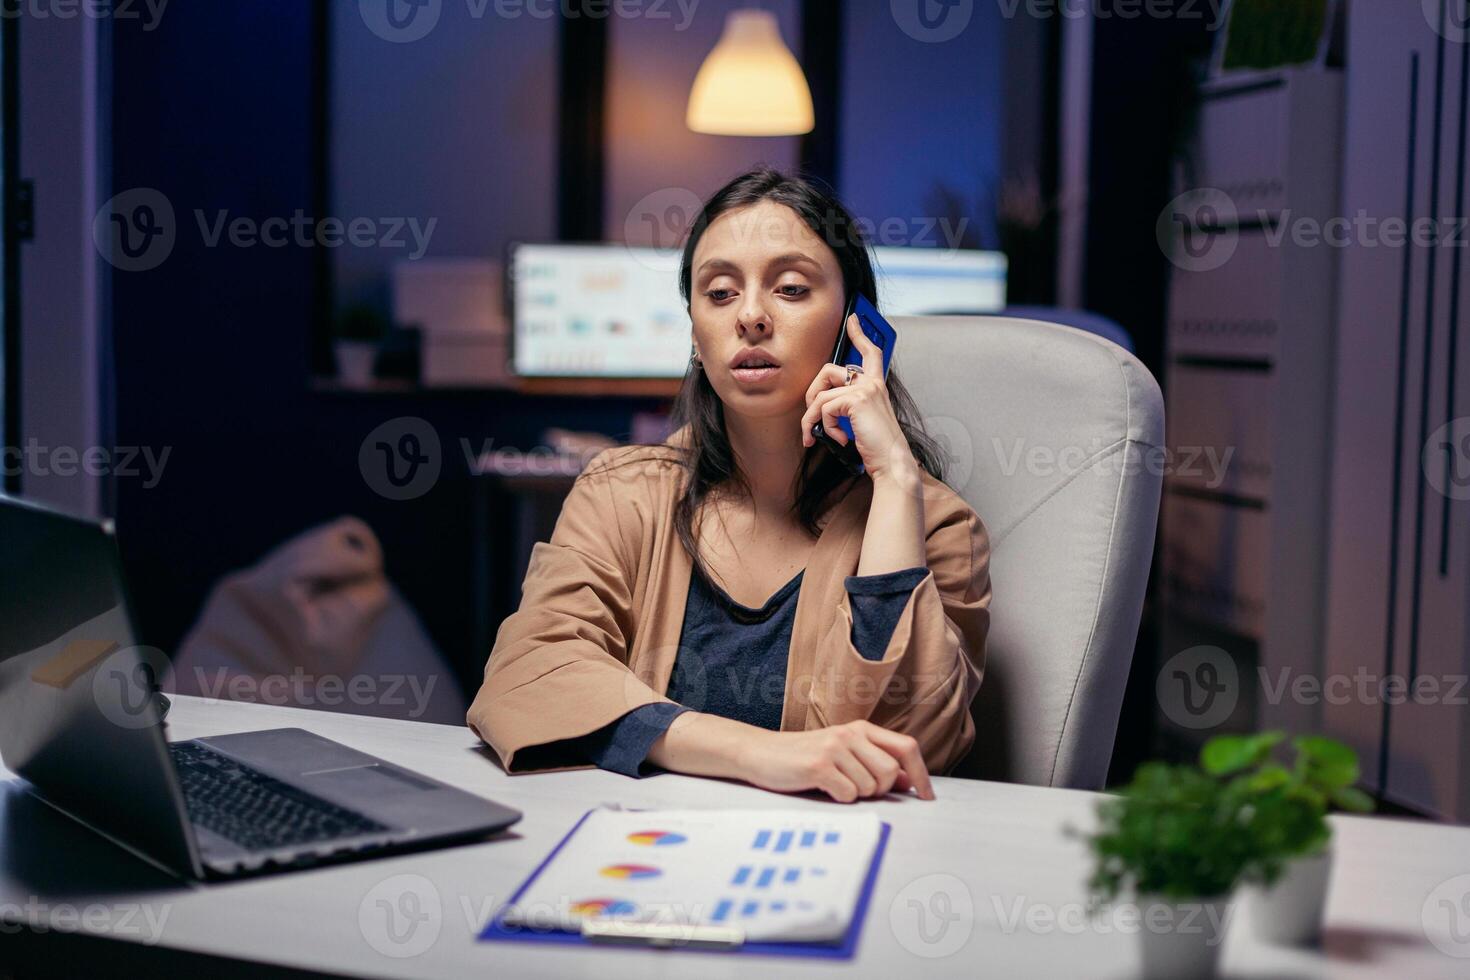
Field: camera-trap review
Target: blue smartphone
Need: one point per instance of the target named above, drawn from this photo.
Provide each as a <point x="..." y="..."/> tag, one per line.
<point x="880" y="332"/>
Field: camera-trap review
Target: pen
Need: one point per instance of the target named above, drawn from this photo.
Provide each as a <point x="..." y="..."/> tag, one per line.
<point x="662" y="935"/>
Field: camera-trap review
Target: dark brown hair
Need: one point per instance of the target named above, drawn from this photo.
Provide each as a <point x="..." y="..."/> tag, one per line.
<point x="708" y="460"/>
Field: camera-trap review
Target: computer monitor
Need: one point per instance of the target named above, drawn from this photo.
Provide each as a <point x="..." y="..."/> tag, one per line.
<point x="913" y="280"/>
<point x="597" y="310"/>
<point x="613" y="311"/>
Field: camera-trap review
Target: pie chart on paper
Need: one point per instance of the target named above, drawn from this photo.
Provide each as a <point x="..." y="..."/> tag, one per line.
<point x="630" y="871"/>
<point x="603" y="906"/>
<point x="656" y="838"/>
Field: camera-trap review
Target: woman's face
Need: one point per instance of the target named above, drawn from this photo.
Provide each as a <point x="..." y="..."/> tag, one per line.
<point x="763" y="283"/>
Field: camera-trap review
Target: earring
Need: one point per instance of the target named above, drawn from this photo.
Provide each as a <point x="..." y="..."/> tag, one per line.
<point x="694" y="359"/>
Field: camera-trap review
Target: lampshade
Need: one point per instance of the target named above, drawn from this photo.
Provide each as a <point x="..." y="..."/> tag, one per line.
<point x="750" y="84"/>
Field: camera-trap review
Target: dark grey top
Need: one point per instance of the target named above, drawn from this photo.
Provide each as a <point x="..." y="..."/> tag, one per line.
<point x="732" y="661"/>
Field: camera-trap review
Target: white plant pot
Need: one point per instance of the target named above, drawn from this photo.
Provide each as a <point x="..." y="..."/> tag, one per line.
<point x="1290" y="911"/>
<point x="1181" y="939"/>
<point x="355" y="362"/>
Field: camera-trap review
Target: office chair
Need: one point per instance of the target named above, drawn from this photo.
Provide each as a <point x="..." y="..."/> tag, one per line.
<point x="1081" y="319"/>
<point x="1055" y="437"/>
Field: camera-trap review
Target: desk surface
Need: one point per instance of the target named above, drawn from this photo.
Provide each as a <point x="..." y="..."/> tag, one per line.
<point x="988" y="857"/>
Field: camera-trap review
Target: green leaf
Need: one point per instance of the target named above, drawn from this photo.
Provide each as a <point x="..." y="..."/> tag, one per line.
<point x="1268" y="777"/>
<point x="1326" y="762"/>
<point x="1324" y="751"/>
<point x="1316" y="842"/>
<point x="1330" y="775"/>
<point x="1353" y="799"/>
<point x="1225" y="754"/>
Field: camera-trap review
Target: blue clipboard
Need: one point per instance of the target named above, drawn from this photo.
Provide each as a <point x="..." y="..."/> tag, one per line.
<point x="498" y="931"/>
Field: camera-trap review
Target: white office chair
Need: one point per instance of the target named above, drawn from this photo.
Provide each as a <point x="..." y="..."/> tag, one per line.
<point x="1056" y="440"/>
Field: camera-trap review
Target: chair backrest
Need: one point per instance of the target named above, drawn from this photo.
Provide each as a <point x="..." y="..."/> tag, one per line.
<point x="1081" y="319"/>
<point x="1056" y="439"/>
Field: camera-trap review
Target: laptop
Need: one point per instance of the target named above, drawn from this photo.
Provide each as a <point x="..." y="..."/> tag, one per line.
<point x="81" y="720"/>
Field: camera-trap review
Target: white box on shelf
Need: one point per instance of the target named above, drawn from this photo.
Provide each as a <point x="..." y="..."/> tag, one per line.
<point x="449" y="295"/>
<point x="465" y="359"/>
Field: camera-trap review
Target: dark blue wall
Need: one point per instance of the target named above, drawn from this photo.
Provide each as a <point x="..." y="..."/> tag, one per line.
<point x="212" y="347"/>
<point x="919" y="115"/>
<point x="213" y="109"/>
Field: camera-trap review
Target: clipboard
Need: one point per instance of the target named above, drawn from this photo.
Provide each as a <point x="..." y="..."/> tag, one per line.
<point x="497" y="930"/>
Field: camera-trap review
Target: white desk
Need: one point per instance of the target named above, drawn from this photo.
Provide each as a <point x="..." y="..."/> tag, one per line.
<point x="999" y="844"/>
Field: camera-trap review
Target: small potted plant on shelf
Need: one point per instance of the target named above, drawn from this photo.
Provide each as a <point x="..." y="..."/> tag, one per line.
<point x="1287" y="887"/>
<point x="360" y="329"/>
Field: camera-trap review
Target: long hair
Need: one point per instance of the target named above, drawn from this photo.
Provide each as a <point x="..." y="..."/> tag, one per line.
<point x="707" y="458"/>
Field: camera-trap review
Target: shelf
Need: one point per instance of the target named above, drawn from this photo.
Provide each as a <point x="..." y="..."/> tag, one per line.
<point x="575" y="387"/>
<point x="627" y="387"/>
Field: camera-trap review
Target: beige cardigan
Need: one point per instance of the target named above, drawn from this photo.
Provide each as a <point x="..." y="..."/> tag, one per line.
<point x="602" y="609"/>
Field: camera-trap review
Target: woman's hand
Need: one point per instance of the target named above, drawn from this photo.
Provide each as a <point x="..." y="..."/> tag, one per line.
<point x="847" y="762"/>
<point x="880" y="441"/>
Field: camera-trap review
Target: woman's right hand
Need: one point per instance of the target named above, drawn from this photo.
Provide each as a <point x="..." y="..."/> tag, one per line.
<point x="847" y="762"/>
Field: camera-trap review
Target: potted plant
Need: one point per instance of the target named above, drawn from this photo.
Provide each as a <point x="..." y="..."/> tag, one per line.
<point x="1287" y="885"/>
<point x="359" y="331"/>
<point x="1175" y="841"/>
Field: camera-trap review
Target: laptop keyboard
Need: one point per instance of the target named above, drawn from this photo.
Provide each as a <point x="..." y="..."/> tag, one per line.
<point x="257" y="811"/>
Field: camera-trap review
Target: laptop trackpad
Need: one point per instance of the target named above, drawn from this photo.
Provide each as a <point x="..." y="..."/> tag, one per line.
<point x="360" y="785"/>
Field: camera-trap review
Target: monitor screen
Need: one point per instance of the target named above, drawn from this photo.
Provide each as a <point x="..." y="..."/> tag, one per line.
<point x="598" y="310"/>
<point x="914" y="281"/>
<point x="613" y="311"/>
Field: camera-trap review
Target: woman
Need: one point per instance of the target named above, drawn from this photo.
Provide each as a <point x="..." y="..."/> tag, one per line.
<point x="734" y="602"/>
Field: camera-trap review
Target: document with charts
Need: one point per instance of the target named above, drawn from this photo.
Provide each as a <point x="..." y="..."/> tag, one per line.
<point x="778" y="875"/>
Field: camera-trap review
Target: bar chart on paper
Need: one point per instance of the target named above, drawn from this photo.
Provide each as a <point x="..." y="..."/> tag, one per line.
<point x="784" y="840"/>
<point x="779" y="875"/>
